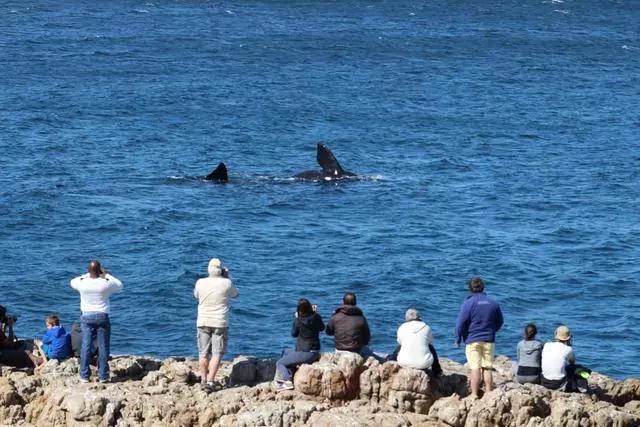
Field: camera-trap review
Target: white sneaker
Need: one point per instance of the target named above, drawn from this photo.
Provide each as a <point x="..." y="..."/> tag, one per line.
<point x="285" y="385"/>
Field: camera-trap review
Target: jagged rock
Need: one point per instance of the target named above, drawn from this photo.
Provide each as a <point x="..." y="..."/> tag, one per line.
<point x="340" y="389"/>
<point x="334" y="376"/>
<point x="244" y="370"/>
<point x="250" y="370"/>
<point x="180" y="371"/>
<point x="134" y="368"/>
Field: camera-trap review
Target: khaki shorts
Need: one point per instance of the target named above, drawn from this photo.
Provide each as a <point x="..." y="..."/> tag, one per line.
<point x="212" y="341"/>
<point x="480" y="354"/>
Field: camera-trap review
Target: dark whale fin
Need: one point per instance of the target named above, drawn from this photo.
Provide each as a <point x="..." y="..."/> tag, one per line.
<point x="328" y="162"/>
<point x="219" y="174"/>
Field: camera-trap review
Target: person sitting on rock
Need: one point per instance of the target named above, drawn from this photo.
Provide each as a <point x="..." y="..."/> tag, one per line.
<point x="416" y="348"/>
<point x="559" y="371"/>
<point x="307" y="325"/>
<point x="529" y="352"/>
<point x="350" y="328"/>
<point x="56" y="342"/>
<point x="13" y="352"/>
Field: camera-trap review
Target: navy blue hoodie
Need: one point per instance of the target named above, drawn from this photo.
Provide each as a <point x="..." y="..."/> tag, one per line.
<point x="479" y="319"/>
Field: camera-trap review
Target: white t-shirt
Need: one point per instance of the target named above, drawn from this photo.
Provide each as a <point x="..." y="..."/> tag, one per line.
<point x="95" y="293"/>
<point x="414" y="338"/>
<point x="555" y="358"/>
<point x="213" y="295"/>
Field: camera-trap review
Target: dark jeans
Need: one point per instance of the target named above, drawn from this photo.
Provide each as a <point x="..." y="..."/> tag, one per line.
<point x="436" y="369"/>
<point x="95" y="325"/>
<point x="291" y="359"/>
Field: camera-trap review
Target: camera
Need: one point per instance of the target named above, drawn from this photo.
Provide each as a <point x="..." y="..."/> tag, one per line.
<point x="225" y="272"/>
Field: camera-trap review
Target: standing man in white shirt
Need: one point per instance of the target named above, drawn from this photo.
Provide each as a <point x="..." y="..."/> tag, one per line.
<point x="213" y="294"/>
<point x="95" y="288"/>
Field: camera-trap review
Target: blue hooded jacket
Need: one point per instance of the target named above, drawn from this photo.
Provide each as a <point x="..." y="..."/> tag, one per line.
<point x="58" y="343"/>
<point x="479" y="319"/>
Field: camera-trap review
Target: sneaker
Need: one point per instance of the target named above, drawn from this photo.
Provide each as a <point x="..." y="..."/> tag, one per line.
<point x="105" y="380"/>
<point x="285" y="385"/>
<point x="84" y="380"/>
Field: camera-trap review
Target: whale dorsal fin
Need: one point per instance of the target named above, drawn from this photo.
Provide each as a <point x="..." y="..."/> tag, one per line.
<point x="218" y="174"/>
<point x="327" y="161"/>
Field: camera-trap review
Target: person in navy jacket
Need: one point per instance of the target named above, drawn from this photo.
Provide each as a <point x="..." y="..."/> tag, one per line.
<point x="478" y="321"/>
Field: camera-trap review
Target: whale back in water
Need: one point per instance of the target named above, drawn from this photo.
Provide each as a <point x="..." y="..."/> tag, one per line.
<point x="219" y="174"/>
<point x="331" y="169"/>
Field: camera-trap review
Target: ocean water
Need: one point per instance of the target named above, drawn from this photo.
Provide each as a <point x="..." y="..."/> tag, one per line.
<point x="497" y="139"/>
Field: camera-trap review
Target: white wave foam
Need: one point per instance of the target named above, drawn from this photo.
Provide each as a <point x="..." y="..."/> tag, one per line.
<point x="565" y="11"/>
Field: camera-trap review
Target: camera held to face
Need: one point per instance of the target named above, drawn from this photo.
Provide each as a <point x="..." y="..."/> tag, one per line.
<point x="8" y="319"/>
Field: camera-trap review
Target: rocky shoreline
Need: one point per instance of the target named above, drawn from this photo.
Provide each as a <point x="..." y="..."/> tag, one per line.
<point x="338" y="390"/>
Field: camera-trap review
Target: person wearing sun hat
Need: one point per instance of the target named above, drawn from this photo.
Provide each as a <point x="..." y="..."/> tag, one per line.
<point x="213" y="294"/>
<point x="557" y="357"/>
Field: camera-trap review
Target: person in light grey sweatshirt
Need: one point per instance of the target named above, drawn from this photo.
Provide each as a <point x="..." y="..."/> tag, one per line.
<point x="529" y="352"/>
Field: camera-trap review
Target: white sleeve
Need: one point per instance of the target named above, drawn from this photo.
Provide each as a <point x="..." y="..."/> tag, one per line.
<point x="195" y="291"/>
<point x="399" y="335"/>
<point x="232" y="292"/>
<point x="115" y="285"/>
<point x="75" y="282"/>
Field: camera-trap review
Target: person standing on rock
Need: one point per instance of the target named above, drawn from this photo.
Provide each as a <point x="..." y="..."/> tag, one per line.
<point x="307" y="325"/>
<point x="213" y="294"/>
<point x="478" y="321"/>
<point x="350" y="328"/>
<point x="95" y="288"/>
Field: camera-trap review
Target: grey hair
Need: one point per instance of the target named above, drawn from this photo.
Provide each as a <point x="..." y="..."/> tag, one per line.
<point x="412" y="314"/>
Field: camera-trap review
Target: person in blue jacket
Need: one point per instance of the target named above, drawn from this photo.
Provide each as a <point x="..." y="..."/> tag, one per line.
<point x="56" y="343"/>
<point x="478" y="321"/>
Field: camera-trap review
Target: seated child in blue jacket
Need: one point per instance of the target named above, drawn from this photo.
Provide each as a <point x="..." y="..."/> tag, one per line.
<point x="56" y="343"/>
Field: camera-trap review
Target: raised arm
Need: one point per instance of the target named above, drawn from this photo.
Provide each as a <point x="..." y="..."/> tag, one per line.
<point x="75" y="282"/>
<point x="115" y="285"/>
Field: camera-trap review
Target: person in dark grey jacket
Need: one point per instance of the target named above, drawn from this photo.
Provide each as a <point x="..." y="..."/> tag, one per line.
<point x="350" y="328"/>
<point x="306" y="328"/>
<point x="529" y="353"/>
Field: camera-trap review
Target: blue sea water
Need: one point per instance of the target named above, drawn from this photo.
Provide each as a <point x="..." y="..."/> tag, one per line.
<point x="492" y="138"/>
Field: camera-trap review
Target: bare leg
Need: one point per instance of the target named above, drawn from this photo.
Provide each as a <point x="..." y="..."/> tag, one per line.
<point x="474" y="380"/>
<point x="40" y="352"/>
<point x="488" y="379"/>
<point x="213" y="366"/>
<point x="204" y="363"/>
